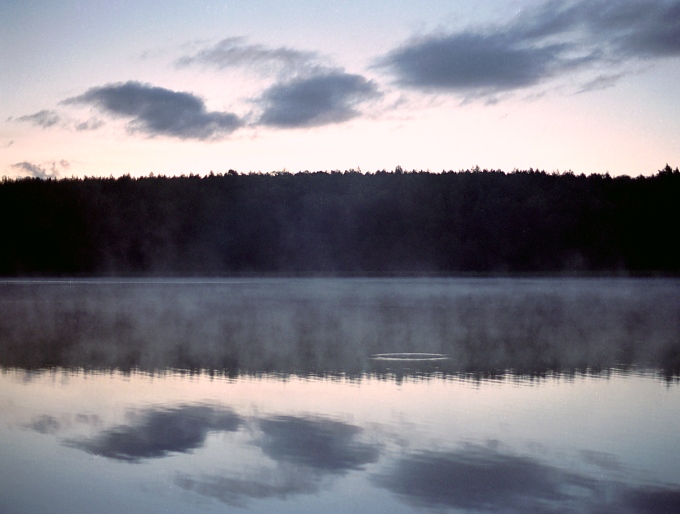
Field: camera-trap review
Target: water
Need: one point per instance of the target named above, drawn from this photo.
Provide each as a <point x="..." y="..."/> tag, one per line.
<point x="337" y="395"/>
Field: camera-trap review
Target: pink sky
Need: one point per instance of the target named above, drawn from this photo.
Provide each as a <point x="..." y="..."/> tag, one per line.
<point x="138" y="87"/>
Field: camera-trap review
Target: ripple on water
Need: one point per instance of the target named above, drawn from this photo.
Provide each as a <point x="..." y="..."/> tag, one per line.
<point x="410" y="357"/>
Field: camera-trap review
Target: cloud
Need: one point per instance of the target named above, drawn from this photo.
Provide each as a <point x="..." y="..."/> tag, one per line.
<point x="601" y="82"/>
<point x="652" y="499"/>
<point x="482" y="478"/>
<point x="468" y="62"/>
<point x="157" y="111"/>
<point x="325" y="98"/>
<point x="632" y="28"/>
<point x="44" y="118"/>
<point x="157" y="433"/>
<point x="45" y="425"/>
<point x="235" y="52"/>
<point x="308" y="93"/>
<point x="264" y="483"/>
<point x="330" y="446"/>
<point x="602" y="460"/>
<point x="49" y="118"/>
<point x="36" y="171"/>
<point x="548" y="41"/>
<point x="50" y="425"/>
<point x="306" y="451"/>
<point x="92" y="124"/>
<point x="33" y="170"/>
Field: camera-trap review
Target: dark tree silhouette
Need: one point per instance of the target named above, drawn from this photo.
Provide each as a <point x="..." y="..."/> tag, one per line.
<point x="334" y="222"/>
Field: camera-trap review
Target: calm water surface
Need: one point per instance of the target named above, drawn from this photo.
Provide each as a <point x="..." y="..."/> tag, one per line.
<point x="337" y="395"/>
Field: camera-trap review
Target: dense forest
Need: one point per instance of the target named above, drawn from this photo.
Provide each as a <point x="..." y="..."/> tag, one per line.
<point x="342" y="222"/>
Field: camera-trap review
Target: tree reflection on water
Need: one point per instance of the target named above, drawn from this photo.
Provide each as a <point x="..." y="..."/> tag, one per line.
<point x="484" y="327"/>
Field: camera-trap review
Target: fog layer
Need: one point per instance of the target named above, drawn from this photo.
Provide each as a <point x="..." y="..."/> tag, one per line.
<point x="339" y="326"/>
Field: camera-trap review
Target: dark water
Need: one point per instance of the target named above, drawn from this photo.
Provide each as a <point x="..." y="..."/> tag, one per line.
<point x="337" y="395"/>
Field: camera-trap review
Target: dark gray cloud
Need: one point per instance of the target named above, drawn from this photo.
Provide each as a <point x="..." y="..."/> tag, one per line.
<point x="547" y="41"/>
<point x="157" y="111"/>
<point x="33" y="170"/>
<point x="472" y="62"/>
<point x="235" y="52"/>
<point x="42" y="172"/>
<point x="626" y="28"/>
<point x="44" y="118"/>
<point x="651" y="500"/>
<point x="327" y="445"/>
<point x="320" y="99"/>
<point x="157" y="433"/>
<point x="481" y="478"/>
<point x="308" y="92"/>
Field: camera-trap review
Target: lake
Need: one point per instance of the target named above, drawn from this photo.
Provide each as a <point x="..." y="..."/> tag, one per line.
<point x="340" y="395"/>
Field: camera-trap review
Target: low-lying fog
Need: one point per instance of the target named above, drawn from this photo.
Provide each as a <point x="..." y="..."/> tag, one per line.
<point x="309" y="326"/>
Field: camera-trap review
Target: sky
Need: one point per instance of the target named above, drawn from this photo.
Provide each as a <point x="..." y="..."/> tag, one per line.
<point x="112" y="87"/>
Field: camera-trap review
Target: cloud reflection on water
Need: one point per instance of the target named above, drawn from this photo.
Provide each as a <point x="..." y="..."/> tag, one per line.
<point x="156" y="433"/>
<point x="45" y="424"/>
<point x="318" y="443"/>
<point x="483" y="479"/>
<point x="327" y="445"/>
<point x="307" y="454"/>
<point x="305" y="451"/>
<point x="260" y="484"/>
<point x="288" y="456"/>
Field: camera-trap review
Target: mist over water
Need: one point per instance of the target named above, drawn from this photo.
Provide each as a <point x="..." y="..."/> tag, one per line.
<point x="328" y="395"/>
<point x="340" y="326"/>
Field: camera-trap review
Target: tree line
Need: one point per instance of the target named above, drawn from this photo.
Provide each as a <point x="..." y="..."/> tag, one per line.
<point x="484" y="221"/>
